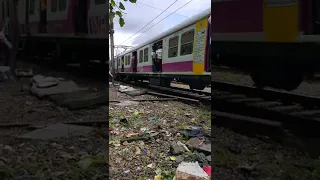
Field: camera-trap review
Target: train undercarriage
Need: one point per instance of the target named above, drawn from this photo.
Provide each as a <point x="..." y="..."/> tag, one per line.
<point x="276" y="65"/>
<point x="65" y="50"/>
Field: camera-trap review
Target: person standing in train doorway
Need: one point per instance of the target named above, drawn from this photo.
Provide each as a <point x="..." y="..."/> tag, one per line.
<point x="159" y="58"/>
<point x="6" y="40"/>
<point x="134" y="63"/>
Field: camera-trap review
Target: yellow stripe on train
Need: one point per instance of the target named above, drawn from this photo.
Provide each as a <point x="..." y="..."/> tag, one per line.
<point x="280" y="20"/>
<point x="199" y="46"/>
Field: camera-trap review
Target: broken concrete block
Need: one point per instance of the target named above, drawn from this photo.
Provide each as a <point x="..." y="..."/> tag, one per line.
<point x="198" y="144"/>
<point x="5" y="73"/>
<point x="24" y="72"/>
<point x="127" y="103"/>
<point x="176" y="149"/>
<point x="62" y="87"/>
<point x="188" y="170"/>
<point x="57" y="130"/>
<point x="45" y="82"/>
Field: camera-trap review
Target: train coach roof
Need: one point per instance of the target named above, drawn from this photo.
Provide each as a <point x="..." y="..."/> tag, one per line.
<point x="185" y="23"/>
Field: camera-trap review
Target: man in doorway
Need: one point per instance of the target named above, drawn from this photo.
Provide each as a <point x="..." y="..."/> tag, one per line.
<point x="134" y="63"/>
<point x="159" y="58"/>
<point x="5" y="39"/>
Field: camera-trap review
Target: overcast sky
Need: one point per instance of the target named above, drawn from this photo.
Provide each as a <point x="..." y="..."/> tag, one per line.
<point x="138" y="15"/>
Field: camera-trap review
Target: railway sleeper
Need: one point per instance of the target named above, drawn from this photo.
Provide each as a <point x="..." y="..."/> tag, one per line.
<point x="164" y="82"/>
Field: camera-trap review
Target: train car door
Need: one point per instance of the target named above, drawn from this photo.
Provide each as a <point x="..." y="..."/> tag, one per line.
<point x="122" y="64"/>
<point x="43" y="17"/>
<point x="157" y="56"/>
<point x="316" y="17"/>
<point x="134" y="61"/>
<point x="80" y="17"/>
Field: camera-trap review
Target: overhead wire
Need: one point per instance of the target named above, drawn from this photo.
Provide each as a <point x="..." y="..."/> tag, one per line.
<point x="150" y="21"/>
<point x="160" y="9"/>
<point x="163" y="19"/>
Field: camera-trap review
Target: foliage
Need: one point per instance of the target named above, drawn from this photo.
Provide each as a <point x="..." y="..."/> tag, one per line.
<point x="117" y="9"/>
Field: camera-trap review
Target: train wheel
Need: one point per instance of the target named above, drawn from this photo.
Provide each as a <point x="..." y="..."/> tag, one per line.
<point x="257" y="79"/>
<point x="197" y="86"/>
<point x="292" y="81"/>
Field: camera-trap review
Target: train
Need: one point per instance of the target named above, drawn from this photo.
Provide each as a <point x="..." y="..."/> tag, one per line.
<point x="65" y="31"/>
<point x="184" y="51"/>
<point x="276" y="41"/>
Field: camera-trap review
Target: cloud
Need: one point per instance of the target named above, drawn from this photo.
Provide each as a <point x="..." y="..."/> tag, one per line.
<point x="138" y="15"/>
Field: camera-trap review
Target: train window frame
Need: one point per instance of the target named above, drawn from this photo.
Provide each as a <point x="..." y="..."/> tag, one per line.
<point x="173" y="47"/>
<point x="186" y="43"/>
<point x="100" y="2"/>
<point x="64" y="7"/>
<point x="145" y="55"/>
<point x="141" y="56"/>
<point x="54" y="6"/>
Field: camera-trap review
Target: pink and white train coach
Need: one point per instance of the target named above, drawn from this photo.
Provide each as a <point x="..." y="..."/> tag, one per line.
<point x="181" y="53"/>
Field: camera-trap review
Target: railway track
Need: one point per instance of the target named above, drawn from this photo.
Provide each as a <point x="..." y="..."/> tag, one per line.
<point x="265" y="111"/>
<point x="179" y="93"/>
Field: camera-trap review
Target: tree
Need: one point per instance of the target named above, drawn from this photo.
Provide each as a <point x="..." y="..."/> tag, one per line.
<point x="117" y="9"/>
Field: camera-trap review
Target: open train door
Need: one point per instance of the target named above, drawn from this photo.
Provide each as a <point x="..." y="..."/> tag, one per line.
<point x="80" y="17"/>
<point x="43" y="16"/>
<point x="316" y="17"/>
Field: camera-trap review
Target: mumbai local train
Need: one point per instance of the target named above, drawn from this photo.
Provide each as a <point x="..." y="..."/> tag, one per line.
<point x="68" y="31"/>
<point x="276" y="41"/>
<point x="181" y="53"/>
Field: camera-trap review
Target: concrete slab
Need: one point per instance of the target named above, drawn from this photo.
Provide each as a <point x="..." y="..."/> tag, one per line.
<point x="45" y="82"/>
<point x="62" y="87"/>
<point x="127" y="103"/>
<point x="57" y="130"/>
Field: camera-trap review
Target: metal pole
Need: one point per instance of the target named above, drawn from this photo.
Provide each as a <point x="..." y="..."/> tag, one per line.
<point x="112" y="52"/>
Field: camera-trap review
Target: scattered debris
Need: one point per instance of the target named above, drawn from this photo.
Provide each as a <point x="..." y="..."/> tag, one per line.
<point x="187" y="170"/>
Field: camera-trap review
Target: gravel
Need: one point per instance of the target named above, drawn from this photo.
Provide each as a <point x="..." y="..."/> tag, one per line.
<point x="143" y="159"/>
<point x="238" y="157"/>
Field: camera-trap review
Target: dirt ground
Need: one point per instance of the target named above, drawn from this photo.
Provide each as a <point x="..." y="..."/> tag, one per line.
<point x="163" y="120"/>
<point x="72" y="157"/>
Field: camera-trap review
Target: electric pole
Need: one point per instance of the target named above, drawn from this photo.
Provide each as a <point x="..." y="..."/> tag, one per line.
<point x="112" y="51"/>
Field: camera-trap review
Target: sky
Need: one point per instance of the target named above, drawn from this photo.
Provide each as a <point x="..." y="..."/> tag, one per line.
<point x="141" y="13"/>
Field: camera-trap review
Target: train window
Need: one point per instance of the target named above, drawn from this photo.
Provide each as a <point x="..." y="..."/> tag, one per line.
<point x="173" y="47"/>
<point x="98" y="2"/>
<point x="125" y="60"/>
<point x="129" y="60"/>
<point x="62" y="5"/>
<point x="54" y="5"/>
<point x="141" y="56"/>
<point x="187" y="43"/>
<point x="145" y="54"/>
